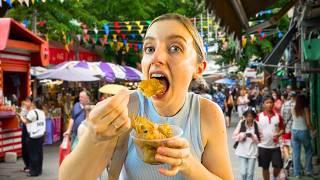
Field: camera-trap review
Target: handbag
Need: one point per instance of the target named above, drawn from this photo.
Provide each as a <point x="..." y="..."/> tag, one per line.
<point x="65" y="149"/>
<point x="311" y="48"/>
<point x="37" y="128"/>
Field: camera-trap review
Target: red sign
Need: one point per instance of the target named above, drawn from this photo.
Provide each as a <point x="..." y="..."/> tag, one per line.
<point x="58" y="55"/>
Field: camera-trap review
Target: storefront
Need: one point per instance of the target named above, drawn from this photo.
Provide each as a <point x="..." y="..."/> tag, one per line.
<point x="59" y="54"/>
<point x="19" y="50"/>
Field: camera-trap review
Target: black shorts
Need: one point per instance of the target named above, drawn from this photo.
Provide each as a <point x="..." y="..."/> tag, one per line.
<point x="265" y="156"/>
<point x="228" y="113"/>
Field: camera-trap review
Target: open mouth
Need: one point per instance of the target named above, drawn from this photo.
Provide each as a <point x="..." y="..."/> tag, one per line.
<point x="163" y="80"/>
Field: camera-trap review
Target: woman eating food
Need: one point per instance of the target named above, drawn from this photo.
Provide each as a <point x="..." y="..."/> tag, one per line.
<point x="173" y="54"/>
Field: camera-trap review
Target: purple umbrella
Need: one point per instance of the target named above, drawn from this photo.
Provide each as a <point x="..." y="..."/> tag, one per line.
<point x="132" y="74"/>
<point x="71" y="71"/>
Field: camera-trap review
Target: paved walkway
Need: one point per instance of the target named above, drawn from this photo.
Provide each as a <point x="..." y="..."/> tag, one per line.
<point x="10" y="171"/>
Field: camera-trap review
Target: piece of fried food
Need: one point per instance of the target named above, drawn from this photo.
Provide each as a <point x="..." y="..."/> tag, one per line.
<point x="146" y="129"/>
<point x="151" y="87"/>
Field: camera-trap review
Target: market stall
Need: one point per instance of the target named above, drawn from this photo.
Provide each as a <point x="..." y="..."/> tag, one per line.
<point x="19" y="49"/>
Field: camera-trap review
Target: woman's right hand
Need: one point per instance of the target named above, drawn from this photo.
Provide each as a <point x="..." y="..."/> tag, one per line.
<point x="109" y="118"/>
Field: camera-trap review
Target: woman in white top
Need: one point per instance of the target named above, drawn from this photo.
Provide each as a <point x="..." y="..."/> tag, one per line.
<point x="247" y="138"/>
<point x="242" y="103"/>
<point x="301" y="136"/>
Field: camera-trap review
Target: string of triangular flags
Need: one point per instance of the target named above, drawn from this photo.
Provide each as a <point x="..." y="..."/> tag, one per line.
<point x="260" y="36"/>
<point x="126" y="34"/>
<point x="24" y="2"/>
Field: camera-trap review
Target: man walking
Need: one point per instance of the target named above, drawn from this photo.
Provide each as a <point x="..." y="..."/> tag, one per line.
<point x="78" y="114"/>
<point x="271" y="125"/>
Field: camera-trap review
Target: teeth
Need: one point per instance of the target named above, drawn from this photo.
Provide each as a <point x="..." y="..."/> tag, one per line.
<point x="157" y="75"/>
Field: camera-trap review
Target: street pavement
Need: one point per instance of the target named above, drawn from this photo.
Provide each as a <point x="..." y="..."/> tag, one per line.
<point x="11" y="171"/>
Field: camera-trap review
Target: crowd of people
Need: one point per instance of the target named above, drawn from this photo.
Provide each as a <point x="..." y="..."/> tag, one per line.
<point x="283" y="126"/>
<point x="272" y="125"/>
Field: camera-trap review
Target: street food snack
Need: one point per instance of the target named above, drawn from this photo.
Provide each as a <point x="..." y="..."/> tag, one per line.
<point x="148" y="136"/>
<point x="152" y="87"/>
<point x="146" y="129"/>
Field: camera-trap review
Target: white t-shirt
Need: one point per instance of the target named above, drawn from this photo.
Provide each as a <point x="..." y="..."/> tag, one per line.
<point x="269" y="126"/>
<point x="247" y="148"/>
<point x="32" y="116"/>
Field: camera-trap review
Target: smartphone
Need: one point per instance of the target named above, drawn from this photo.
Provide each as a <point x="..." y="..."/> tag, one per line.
<point x="248" y="135"/>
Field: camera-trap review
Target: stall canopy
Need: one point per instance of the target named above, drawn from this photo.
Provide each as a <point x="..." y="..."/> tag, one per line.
<point x="14" y="36"/>
<point x="235" y="15"/>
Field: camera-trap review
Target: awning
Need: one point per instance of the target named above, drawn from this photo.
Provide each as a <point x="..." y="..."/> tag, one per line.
<point x="15" y="35"/>
<point x="235" y="14"/>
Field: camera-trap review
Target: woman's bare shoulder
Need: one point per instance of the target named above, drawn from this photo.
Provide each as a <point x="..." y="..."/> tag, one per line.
<point x="212" y="119"/>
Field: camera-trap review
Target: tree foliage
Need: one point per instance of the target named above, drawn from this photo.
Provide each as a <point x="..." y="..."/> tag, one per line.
<point x="57" y="16"/>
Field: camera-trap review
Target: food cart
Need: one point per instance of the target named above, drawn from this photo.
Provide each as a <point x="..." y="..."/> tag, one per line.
<point x="19" y="50"/>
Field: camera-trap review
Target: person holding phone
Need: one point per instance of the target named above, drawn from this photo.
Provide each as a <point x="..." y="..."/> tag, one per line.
<point x="247" y="138"/>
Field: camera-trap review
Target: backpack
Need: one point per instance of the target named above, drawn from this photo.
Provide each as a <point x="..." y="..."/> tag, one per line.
<point x="37" y="128"/>
<point x="244" y="129"/>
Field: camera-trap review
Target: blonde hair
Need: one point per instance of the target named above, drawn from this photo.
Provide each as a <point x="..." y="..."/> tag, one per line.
<point x="197" y="39"/>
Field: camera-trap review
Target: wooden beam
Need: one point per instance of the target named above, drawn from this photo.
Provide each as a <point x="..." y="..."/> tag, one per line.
<point x="15" y="44"/>
<point x="238" y="7"/>
<point x="274" y="19"/>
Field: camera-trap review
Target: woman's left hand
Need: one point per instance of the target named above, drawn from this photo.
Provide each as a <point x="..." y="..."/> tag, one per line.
<point x="177" y="154"/>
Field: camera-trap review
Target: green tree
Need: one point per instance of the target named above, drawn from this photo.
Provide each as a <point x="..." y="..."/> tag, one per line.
<point x="57" y="16"/>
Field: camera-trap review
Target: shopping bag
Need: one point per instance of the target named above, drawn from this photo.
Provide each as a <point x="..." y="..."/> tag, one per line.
<point x="310" y="48"/>
<point x="37" y="128"/>
<point x="65" y="149"/>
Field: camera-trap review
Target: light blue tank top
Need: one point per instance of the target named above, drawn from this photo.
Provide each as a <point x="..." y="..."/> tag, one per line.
<point x="188" y="118"/>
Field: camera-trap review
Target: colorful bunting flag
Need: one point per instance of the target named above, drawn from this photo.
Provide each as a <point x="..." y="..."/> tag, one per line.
<point x="140" y="28"/>
<point x="129" y="27"/>
<point x="78" y="37"/>
<point x="95" y="30"/>
<point x="9" y="3"/>
<point x="118" y="31"/>
<point x="111" y="44"/>
<point x="148" y="22"/>
<point x="139" y="45"/>
<point x="85" y="31"/>
<point x="116" y="24"/>
<point x="133" y="36"/>
<point x="86" y="38"/>
<point x="25" y="22"/>
<point x="123" y="36"/>
<point x="252" y="38"/>
<point x="135" y="47"/>
<point x="243" y="41"/>
<point x="106" y="29"/>
<point x="127" y="22"/>
<point x="125" y="42"/>
<point x="138" y="23"/>
<point x="114" y="36"/>
<point x="105" y="39"/>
